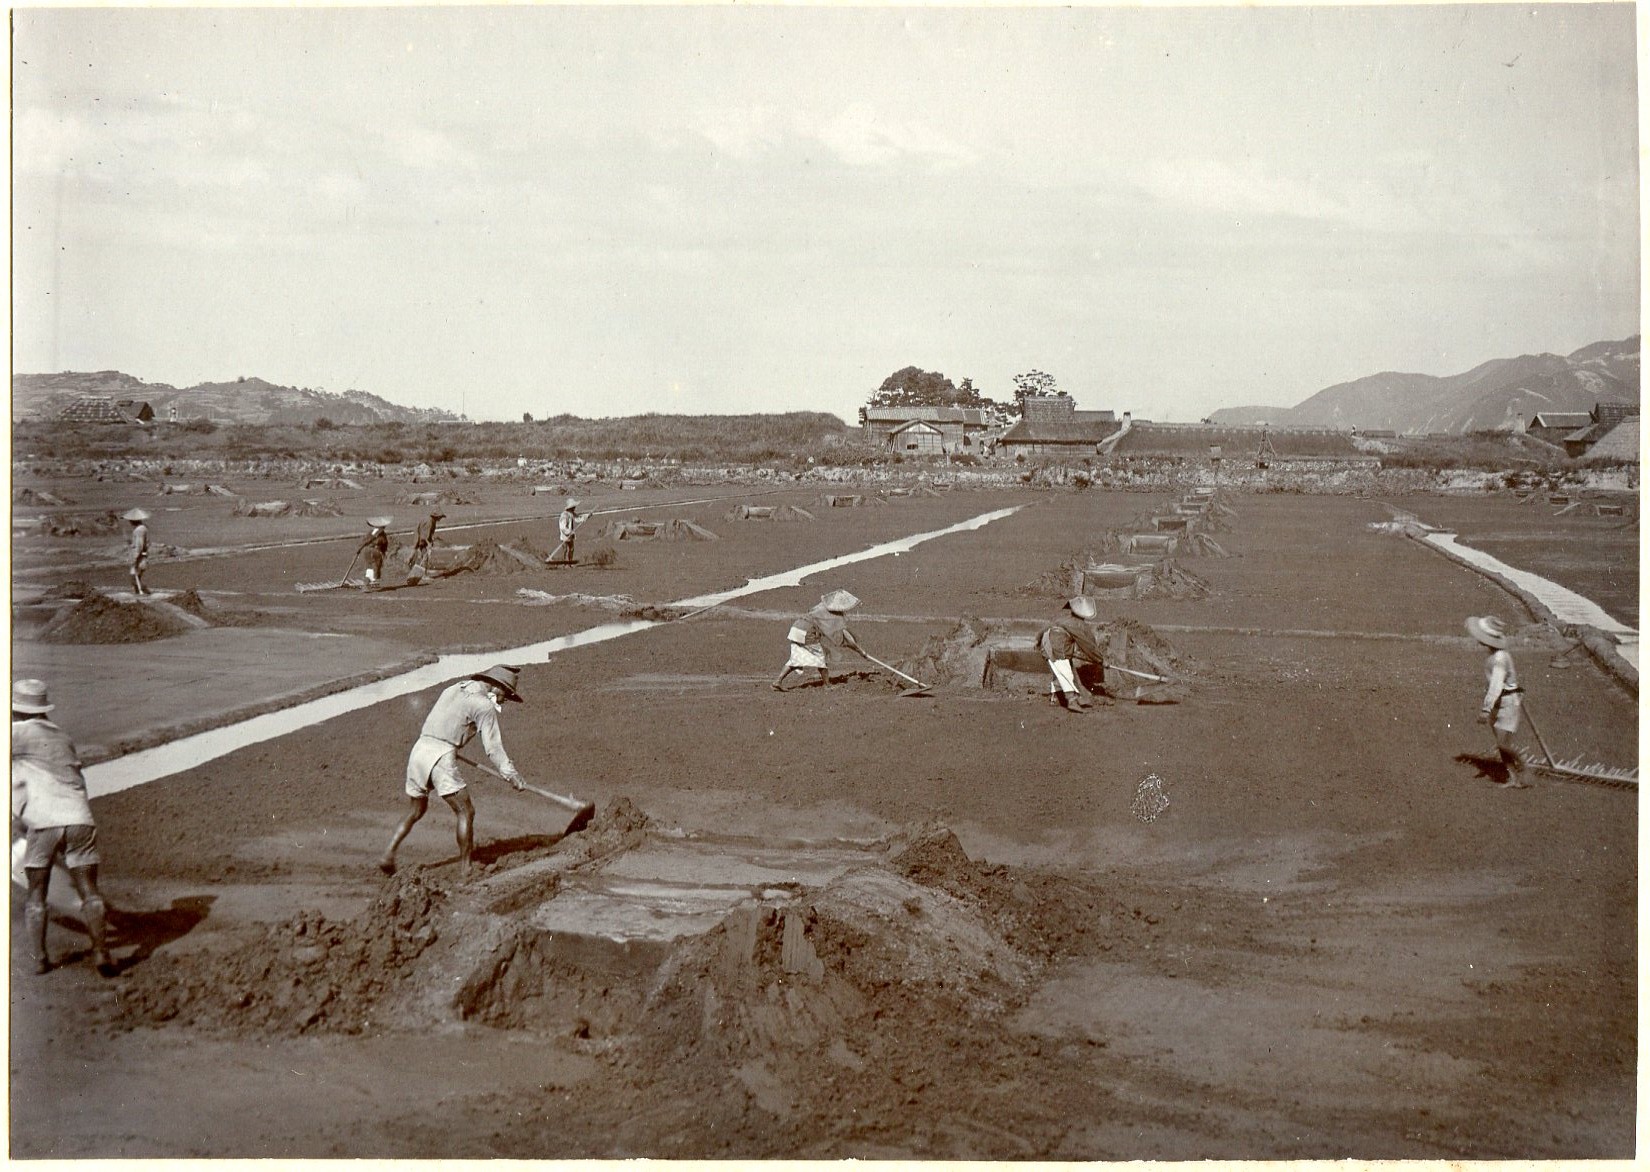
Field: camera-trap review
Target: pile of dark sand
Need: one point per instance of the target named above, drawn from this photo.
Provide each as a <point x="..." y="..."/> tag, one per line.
<point x="97" y="618"/>
<point x="86" y="524"/>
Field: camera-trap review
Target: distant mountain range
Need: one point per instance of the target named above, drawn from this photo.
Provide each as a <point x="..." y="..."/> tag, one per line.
<point x="245" y="400"/>
<point x="1487" y="397"/>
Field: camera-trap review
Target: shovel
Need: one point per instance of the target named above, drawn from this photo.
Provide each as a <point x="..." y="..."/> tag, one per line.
<point x="582" y="812"/>
<point x="921" y="689"/>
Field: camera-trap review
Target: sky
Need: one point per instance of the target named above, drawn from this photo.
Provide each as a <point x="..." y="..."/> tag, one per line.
<point x="612" y="210"/>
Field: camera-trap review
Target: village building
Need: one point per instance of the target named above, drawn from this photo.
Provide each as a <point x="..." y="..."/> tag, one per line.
<point x="931" y="431"/>
<point x="1553" y="426"/>
<point x="1052" y="425"/>
<point x="1603" y="420"/>
<point x="105" y="409"/>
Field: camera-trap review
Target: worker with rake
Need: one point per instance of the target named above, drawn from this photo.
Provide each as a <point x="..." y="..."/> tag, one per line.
<point x="1502" y="703"/>
<point x="52" y="815"/>
<point x="1068" y="640"/>
<point x="813" y="635"/>
<point x="140" y="548"/>
<point x="566" y="529"/>
<point x="463" y="710"/>
<point x="375" y="545"/>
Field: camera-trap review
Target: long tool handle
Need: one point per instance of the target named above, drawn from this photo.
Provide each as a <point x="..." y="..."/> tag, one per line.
<point x="1539" y="739"/>
<point x="344" y="581"/>
<point x="572" y="805"/>
<point x="892" y="668"/>
<point x="1129" y="671"/>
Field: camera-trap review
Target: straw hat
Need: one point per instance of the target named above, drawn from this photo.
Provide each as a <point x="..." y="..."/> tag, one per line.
<point x="135" y="515"/>
<point x="1082" y="606"/>
<point x="30" y="696"/>
<point x="839" y="602"/>
<point x="571" y="504"/>
<point x="437" y="516"/>
<point x="505" y="677"/>
<point x="1488" y="630"/>
<point x="380" y="522"/>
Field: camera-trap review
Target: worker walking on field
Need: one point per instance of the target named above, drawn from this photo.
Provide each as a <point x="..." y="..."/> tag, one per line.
<point x="1502" y="704"/>
<point x="424" y="539"/>
<point x="375" y="545"/>
<point x="139" y="558"/>
<point x="812" y="636"/>
<point x="463" y="710"/>
<point x="1069" y="640"/>
<point x="51" y="813"/>
<point x="566" y="529"/>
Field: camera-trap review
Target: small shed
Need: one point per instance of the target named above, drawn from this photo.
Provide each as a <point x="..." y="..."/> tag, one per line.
<point x="919" y="437"/>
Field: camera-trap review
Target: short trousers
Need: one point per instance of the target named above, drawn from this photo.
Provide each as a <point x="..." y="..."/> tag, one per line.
<point x="432" y="764"/>
<point x="1064" y="676"/>
<point x="1507" y="710"/>
<point x="77" y="845"/>
<point x="803" y="655"/>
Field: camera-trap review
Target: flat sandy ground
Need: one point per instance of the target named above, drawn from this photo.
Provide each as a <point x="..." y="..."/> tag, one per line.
<point x="1338" y="940"/>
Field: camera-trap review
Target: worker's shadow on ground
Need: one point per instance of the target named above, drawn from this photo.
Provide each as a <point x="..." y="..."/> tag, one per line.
<point x="149" y="931"/>
<point x="1489" y="768"/>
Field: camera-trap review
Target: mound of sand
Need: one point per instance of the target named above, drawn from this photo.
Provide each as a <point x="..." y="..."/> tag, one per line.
<point x="677" y="529"/>
<point x="778" y="996"/>
<point x="245" y="508"/>
<point x="97" y="618"/>
<point x="86" y="524"/>
<point x="436" y="498"/>
<point x="308" y="508"/>
<point x="769" y="513"/>
<point x="73" y="588"/>
<point x="1112" y="581"/>
<point x="38" y="496"/>
<point x="488" y="558"/>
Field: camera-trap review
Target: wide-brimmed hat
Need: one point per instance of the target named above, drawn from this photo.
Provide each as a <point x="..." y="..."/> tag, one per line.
<point x="1488" y="630"/>
<point x="380" y="522"/>
<point x="30" y="696"/>
<point x="571" y="504"/>
<point x="838" y="602"/>
<point x="1082" y="606"/>
<point x="135" y="515"/>
<point x="505" y="677"/>
<point x="437" y="516"/>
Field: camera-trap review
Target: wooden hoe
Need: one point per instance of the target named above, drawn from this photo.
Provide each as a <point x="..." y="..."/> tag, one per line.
<point x="920" y="688"/>
<point x="582" y="812"/>
<point x="311" y="587"/>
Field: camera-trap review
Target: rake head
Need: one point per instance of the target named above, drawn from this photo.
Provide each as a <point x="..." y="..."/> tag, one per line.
<point x="1578" y="770"/>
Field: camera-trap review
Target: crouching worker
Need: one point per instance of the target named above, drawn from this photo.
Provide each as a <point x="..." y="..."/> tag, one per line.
<point x="466" y="708"/>
<point x="813" y="635"/>
<point x="50" y="810"/>
<point x="1502" y="706"/>
<point x="1069" y="640"/>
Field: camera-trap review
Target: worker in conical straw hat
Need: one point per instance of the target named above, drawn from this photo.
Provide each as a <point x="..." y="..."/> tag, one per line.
<point x="567" y="527"/>
<point x="464" y="710"/>
<point x="1502" y="704"/>
<point x="375" y="545"/>
<point x="139" y="549"/>
<point x="1069" y="640"/>
<point x="814" y="635"/>
<point x="52" y="817"/>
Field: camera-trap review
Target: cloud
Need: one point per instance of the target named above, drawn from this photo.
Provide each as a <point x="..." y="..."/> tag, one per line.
<point x="862" y="138"/>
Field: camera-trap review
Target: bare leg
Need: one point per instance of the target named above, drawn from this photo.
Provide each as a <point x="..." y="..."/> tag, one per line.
<point x="778" y="685"/>
<point x="466" y="811"/>
<point x="95" y="912"/>
<point x="419" y="806"/>
<point x="34" y="917"/>
<point x="1512" y="758"/>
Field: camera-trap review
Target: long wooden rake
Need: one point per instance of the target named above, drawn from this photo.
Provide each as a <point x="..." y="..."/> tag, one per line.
<point x="1576" y="768"/>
